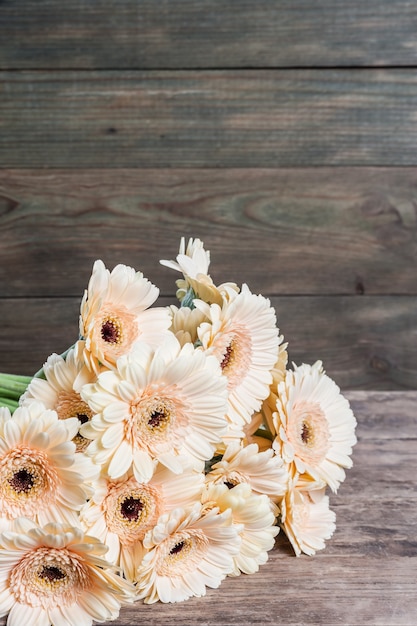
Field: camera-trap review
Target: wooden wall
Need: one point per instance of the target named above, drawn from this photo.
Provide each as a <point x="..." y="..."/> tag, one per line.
<point x="282" y="133"/>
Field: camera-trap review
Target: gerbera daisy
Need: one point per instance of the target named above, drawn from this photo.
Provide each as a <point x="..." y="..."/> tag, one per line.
<point x="252" y="512"/>
<point x="188" y="550"/>
<point x="122" y="511"/>
<point x="263" y="471"/>
<point x="157" y="405"/>
<point x="114" y="315"/>
<point x="193" y="261"/>
<point x="41" y="475"/>
<point x="185" y="322"/>
<point x="58" y="390"/>
<point x="243" y="336"/>
<point x="314" y="424"/>
<point x="56" y="575"/>
<point x="306" y="519"/>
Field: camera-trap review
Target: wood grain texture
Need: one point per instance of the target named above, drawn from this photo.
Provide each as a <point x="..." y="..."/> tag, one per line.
<point x="214" y="33"/>
<point x="364" y="343"/>
<point x="282" y="231"/>
<point x="366" y="575"/>
<point x="243" y="118"/>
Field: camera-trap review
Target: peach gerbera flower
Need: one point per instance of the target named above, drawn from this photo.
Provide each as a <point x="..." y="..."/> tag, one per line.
<point x="185" y="323"/>
<point x="263" y="471"/>
<point x="115" y="315"/>
<point x="314" y="424"/>
<point x="157" y="405"/>
<point x="41" y="475"/>
<point x="188" y="550"/>
<point x="193" y="261"/>
<point x="243" y="336"/>
<point x="252" y="513"/>
<point x="122" y="511"/>
<point x="56" y="575"/>
<point x="58" y="390"/>
<point x="306" y="519"/>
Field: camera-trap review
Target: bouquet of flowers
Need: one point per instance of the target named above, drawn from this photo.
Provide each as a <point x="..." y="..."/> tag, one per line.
<point x="163" y="451"/>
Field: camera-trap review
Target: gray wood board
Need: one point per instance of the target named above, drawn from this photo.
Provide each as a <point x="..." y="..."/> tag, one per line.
<point x="364" y="342"/>
<point x="214" y="33"/>
<point x="242" y="118"/>
<point x="283" y="231"/>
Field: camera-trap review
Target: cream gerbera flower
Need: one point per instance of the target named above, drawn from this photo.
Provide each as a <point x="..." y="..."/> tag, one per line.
<point x="306" y="519"/>
<point x="193" y="261"/>
<point x="56" y="575"/>
<point x="58" y="390"/>
<point x="115" y="315"/>
<point x="122" y="511"/>
<point x="314" y="424"/>
<point x="263" y="471"/>
<point x="243" y="336"/>
<point x="185" y="323"/>
<point x="157" y="405"/>
<point x="41" y="475"/>
<point x="188" y="550"/>
<point x="252" y="512"/>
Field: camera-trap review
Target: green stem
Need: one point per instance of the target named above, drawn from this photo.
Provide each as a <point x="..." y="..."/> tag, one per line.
<point x="10" y="404"/>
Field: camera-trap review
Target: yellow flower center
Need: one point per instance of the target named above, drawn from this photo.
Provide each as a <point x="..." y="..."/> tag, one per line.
<point x="308" y="432"/>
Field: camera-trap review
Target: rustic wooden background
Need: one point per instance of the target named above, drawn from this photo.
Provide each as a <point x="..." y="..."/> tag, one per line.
<point x="282" y="133"/>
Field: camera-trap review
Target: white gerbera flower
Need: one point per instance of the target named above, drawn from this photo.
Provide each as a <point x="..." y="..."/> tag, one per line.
<point x="188" y="550"/>
<point x="263" y="471"/>
<point x="306" y="519"/>
<point x="58" y="391"/>
<point x="252" y="512"/>
<point x="185" y="322"/>
<point x="56" y="575"/>
<point x="41" y="475"/>
<point x="243" y="336"/>
<point x="193" y="261"/>
<point x="314" y="424"/>
<point x="156" y="406"/>
<point x="115" y="315"/>
<point x="122" y="511"/>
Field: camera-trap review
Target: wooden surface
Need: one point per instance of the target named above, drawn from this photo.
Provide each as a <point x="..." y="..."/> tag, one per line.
<point x="213" y="33"/>
<point x="283" y="134"/>
<point x="205" y="118"/>
<point x="367" y="574"/>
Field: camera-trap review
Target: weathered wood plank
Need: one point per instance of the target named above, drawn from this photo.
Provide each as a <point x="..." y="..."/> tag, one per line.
<point x="283" y="231"/>
<point x="366" y="576"/>
<point x="208" y="119"/>
<point x="216" y="33"/>
<point x="364" y="343"/>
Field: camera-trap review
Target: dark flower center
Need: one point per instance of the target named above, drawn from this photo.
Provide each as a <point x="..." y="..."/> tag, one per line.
<point x="22" y="481"/>
<point x="306" y="433"/>
<point x="51" y="573"/>
<point x="227" y="356"/>
<point x="131" y="508"/>
<point x="156" y="419"/>
<point x="110" y="332"/>
<point x="177" y="548"/>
